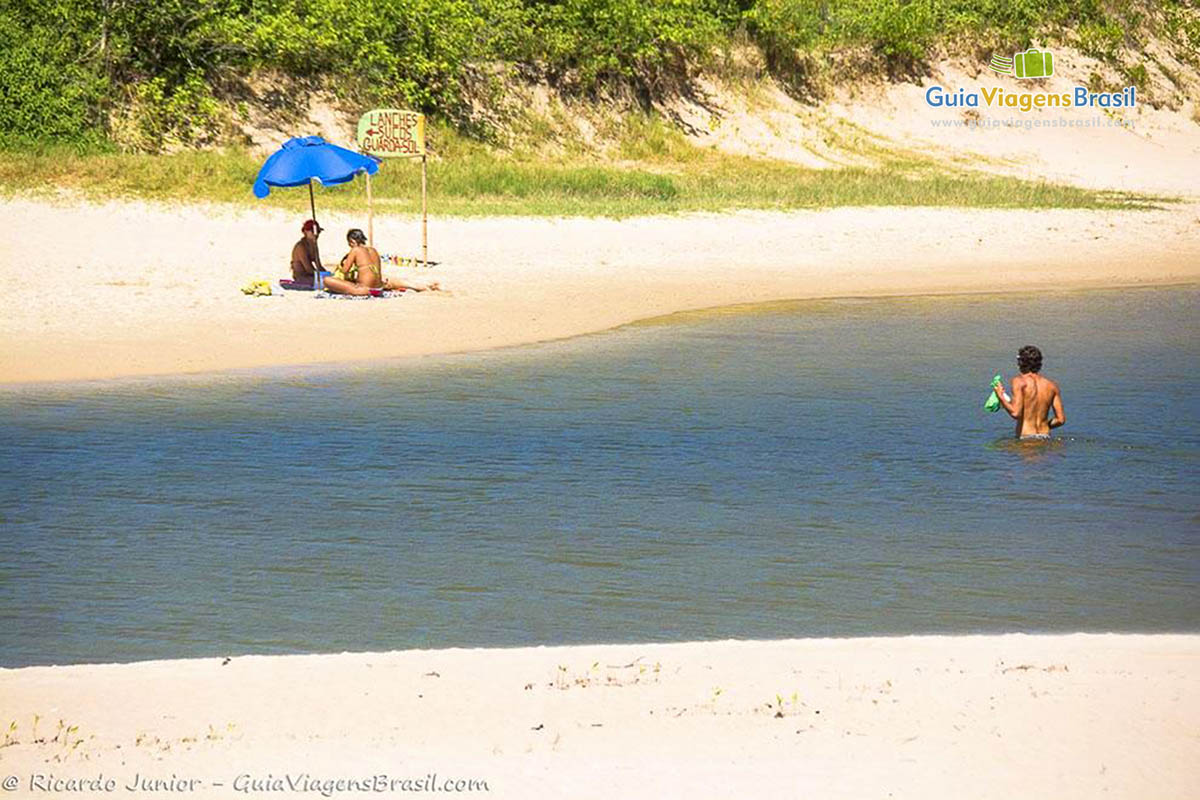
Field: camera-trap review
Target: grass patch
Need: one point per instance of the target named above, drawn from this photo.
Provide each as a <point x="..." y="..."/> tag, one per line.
<point x="473" y="181"/>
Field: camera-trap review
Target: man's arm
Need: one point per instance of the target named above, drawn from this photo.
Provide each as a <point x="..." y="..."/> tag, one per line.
<point x="1013" y="405"/>
<point x="1060" y="416"/>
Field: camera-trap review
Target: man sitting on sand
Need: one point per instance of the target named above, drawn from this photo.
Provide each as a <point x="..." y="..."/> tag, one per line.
<point x="306" y="258"/>
<point x="1033" y="396"/>
<point x="361" y="271"/>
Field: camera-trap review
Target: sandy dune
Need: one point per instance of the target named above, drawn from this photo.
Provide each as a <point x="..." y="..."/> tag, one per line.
<point x="1153" y="148"/>
<point x="129" y="288"/>
<point x="923" y="717"/>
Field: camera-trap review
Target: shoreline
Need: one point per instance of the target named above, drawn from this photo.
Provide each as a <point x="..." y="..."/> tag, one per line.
<point x="333" y="368"/>
<point x="943" y="638"/>
<point x="518" y="281"/>
<point x="1039" y="715"/>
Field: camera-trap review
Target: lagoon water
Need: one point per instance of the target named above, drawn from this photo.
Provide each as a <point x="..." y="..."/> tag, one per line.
<point x="802" y="469"/>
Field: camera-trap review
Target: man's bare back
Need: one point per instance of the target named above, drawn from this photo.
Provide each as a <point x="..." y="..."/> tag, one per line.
<point x="306" y="257"/>
<point x="1033" y="397"/>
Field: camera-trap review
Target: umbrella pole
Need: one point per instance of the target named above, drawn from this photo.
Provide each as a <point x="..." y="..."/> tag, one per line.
<point x="424" y="218"/>
<point x="312" y="207"/>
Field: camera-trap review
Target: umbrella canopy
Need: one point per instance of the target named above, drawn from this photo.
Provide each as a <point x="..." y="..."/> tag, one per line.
<point x="308" y="158"/>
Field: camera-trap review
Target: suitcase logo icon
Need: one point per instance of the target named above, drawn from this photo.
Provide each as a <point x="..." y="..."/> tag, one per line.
<point x="1029" y="64"/>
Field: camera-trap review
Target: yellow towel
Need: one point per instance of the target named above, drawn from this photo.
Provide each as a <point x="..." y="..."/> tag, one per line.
<point x="257" y="288"/>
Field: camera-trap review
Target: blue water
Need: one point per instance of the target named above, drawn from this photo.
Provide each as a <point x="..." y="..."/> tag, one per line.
<point x="815" y="468"/>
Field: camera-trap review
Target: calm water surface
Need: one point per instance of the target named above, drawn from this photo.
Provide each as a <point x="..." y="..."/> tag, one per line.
<point x="818" y="468"/>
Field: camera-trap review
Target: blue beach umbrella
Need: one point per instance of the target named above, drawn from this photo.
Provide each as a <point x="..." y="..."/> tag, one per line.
<point x="304" y="159"/>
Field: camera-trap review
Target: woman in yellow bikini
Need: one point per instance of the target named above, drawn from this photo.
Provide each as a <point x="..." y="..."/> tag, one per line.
<point x="361" y="271"/>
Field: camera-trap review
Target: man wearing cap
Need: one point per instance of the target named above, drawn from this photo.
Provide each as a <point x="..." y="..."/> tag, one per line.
<point x="306" y="258"/>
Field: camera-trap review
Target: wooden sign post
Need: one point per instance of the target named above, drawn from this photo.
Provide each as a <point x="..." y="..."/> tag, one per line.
<point x="370" y="214"/>
<point x="395" y="133"/>
<point x="424" y="215"/>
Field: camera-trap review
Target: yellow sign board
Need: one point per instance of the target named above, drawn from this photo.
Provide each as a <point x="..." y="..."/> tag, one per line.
<point x="392" y="132"/>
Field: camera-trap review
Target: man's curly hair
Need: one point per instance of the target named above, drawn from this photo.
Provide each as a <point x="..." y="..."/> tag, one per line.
<point x="1029" y="359"/>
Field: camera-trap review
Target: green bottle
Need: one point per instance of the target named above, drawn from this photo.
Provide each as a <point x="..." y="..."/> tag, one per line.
<point x="993" y="402"/>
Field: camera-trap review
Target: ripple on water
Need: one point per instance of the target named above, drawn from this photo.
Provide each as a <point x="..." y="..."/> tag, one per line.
<point x="816" y="468"/>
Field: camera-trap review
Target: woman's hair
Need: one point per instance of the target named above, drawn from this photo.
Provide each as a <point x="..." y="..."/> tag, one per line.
<point x="357" y="236"/>
<point x="1029" y="359"/>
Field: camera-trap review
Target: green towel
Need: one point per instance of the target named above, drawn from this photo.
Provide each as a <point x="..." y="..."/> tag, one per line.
<point x="993" y="402"/>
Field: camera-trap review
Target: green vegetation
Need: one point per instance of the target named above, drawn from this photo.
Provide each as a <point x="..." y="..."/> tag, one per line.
<point x="170" y="72"/>
<point x="96" y="90"/>
<point x="667" y="175"/>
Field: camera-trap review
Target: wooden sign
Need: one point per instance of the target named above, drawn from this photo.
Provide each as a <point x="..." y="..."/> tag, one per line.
<point x="392" y="132"/>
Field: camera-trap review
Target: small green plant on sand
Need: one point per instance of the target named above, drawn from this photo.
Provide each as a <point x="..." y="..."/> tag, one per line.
<point x="784" y="706"/>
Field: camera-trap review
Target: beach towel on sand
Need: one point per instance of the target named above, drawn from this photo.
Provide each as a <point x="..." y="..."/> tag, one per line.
<point x="299" y="286"/>
<point x="295" y="286"/>
<point x="380" y="293"/>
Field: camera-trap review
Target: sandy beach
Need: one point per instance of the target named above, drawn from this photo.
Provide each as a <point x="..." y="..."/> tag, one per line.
<point x="131" y="288"/>
<point x="142" y="289"/>
<point x="1075" y="716"/>
<point x="608" y="521"/>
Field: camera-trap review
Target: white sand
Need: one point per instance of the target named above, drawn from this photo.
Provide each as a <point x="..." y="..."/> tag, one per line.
<point x="135" y="289"/>
<point x="1079" y="716"/>
<point x="99" y="291"/>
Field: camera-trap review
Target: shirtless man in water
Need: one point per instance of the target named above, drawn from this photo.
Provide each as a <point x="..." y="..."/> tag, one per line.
<point x="1033" y="396"/>
<point x="361" y="271"/>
